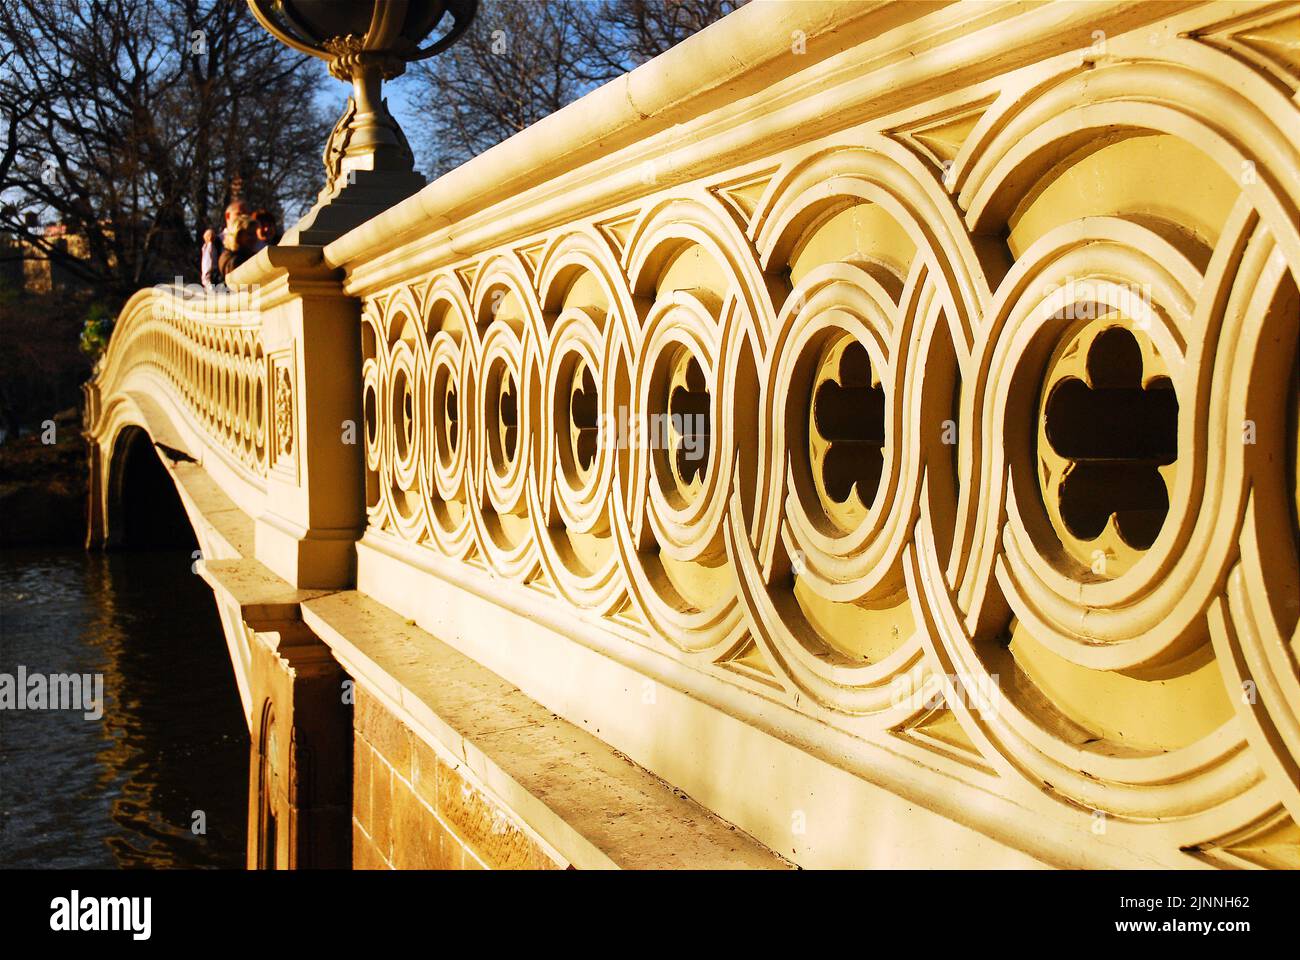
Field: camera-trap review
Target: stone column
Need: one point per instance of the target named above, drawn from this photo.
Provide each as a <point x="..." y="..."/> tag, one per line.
<point x="300" y="769"/>
<point x="315" y="499"/>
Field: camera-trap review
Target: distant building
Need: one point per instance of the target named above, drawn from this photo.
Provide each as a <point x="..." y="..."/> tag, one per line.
<point x="11" y="263"/>
<point x="46" y="273"/>
<point x="29" y="267"/>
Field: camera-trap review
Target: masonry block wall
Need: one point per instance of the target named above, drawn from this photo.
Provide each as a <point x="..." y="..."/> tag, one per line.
<point x="413" y="810"/>
<point x="298" y="771"/>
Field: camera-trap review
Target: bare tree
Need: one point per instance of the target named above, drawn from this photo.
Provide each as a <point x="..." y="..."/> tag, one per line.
<point x="127" y="121"/>
<point x="622" y="34"/>
<point x="40" y="365"/>
<point x="524" y="59"/>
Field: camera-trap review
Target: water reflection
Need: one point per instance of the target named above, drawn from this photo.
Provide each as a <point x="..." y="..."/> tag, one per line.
<point x="122" y="791"/>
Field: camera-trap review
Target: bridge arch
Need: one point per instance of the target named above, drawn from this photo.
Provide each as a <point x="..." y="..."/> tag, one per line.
<point x="142" y="508"/>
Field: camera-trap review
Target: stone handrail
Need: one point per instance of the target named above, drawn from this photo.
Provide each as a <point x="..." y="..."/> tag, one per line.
<point x="208" y="350"/>
<point x="780" y="378"/>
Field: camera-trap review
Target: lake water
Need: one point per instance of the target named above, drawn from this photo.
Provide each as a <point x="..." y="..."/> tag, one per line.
<point x="123" y="790"/>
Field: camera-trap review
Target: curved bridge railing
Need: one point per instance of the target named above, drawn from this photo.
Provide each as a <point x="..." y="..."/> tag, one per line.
<point x="208" y="350"/>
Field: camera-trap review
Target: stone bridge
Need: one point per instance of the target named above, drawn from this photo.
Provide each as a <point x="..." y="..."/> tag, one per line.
<point x="864" y="436"/>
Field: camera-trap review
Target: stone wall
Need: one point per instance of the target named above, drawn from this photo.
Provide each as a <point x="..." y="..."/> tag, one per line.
<point x="413" y="810"/>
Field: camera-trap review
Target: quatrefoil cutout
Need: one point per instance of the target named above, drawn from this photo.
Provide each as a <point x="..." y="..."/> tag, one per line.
<point x="451" y="420"/>
<point x="689" y="424"/>
<point x="584" y="418"/>
<point x="508" y="407"/>
<point x="1113" y="429"/>
<point x="847" y="437"/>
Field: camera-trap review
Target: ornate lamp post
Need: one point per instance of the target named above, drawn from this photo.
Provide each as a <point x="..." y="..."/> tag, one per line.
<point x="368" y="163"/>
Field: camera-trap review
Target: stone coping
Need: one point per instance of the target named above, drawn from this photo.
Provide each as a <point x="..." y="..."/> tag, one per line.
<point x="261" y="596"/>
<point x="581" y="797"/>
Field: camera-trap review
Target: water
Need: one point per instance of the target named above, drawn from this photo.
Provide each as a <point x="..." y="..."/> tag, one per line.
<point x="121" y="791"/>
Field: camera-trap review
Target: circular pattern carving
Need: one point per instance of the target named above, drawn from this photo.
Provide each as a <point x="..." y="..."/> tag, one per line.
<point x="874" y="438"/>
<point x="212" y="365"/>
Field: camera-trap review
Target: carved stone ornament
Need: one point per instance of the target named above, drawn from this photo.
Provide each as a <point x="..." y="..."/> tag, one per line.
<point x="284" y="412"/>
<point x="337" y="145"/>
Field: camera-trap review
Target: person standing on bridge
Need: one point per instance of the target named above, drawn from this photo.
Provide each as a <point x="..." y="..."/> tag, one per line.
<point x="264" y="230"/>
<point x="214" y="241"/>
<point x="239" y="241"/>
